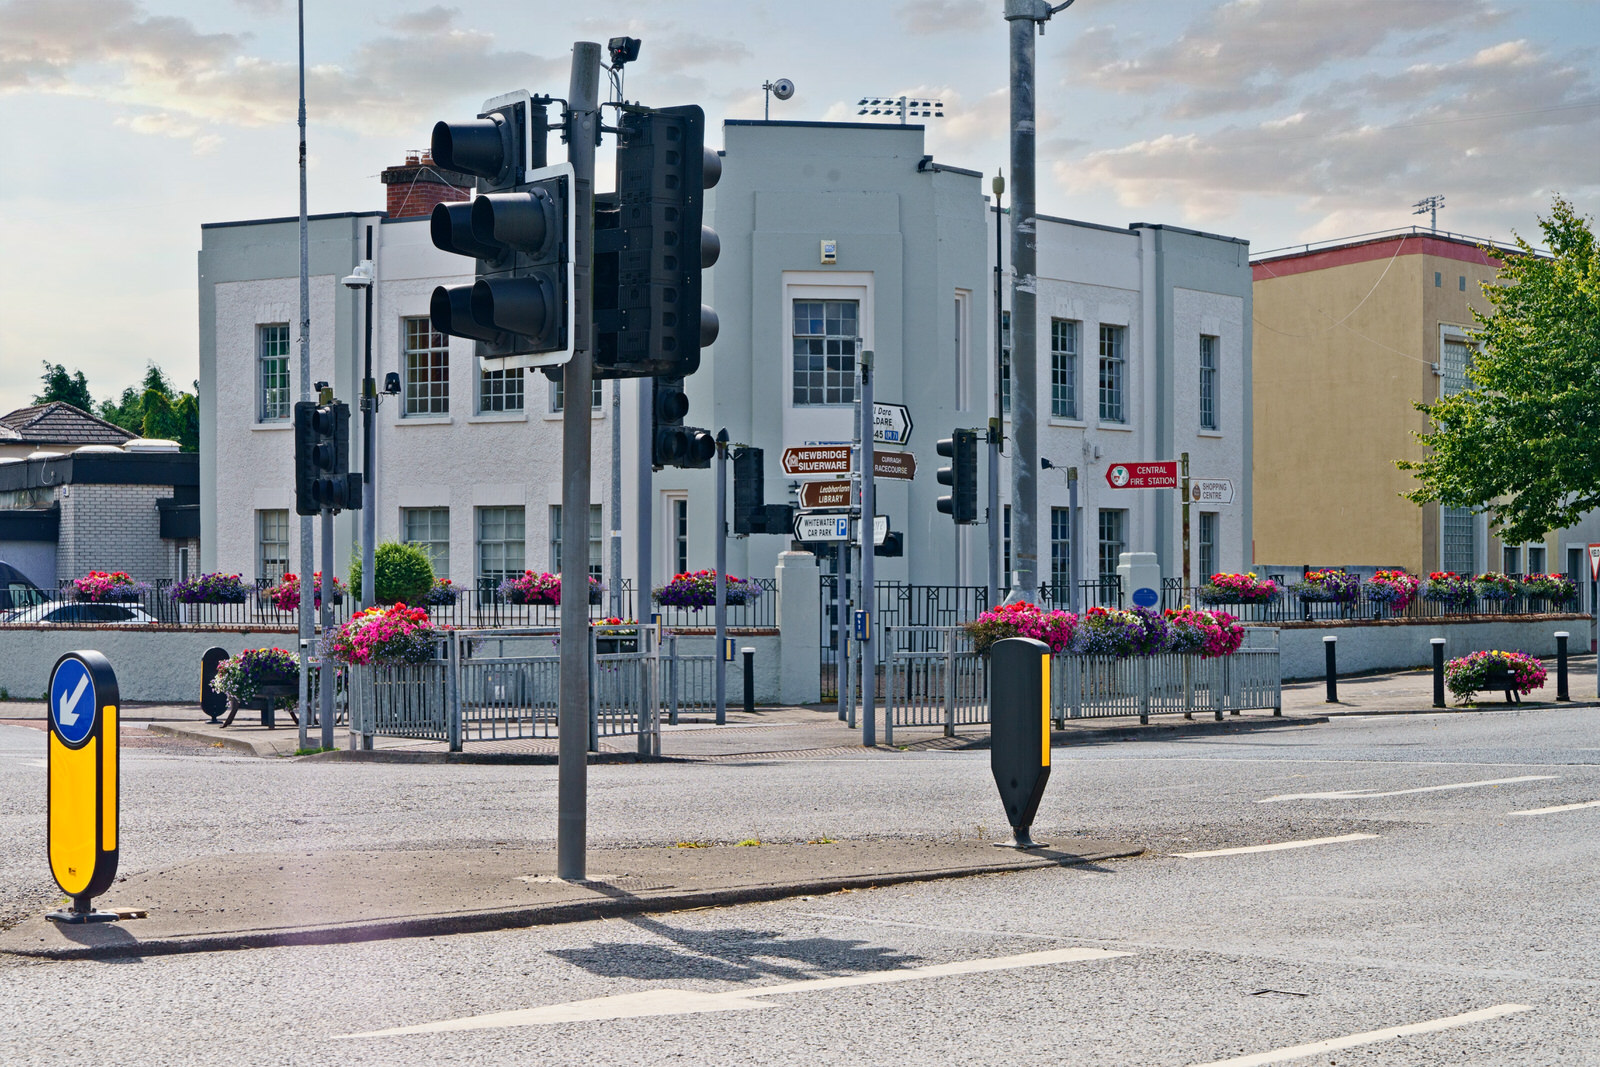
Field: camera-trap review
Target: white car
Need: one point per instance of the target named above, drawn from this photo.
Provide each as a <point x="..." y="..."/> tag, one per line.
<point x="78" y="613"/>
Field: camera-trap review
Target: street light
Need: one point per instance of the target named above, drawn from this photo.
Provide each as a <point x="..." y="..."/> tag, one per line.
<point x="904" y="106"/>
<point x="362" y="278"/>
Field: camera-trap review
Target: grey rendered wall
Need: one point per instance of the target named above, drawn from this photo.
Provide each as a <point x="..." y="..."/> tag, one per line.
<point x="1369" y="646"/>
<point x="151" y="664"/>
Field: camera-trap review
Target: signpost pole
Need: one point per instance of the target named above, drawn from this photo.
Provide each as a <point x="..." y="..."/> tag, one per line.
<point x="869" y="666"/>
<point x="324" y="662"/>
<point x="1183" y="487"/>
<point x="722" y="575"/>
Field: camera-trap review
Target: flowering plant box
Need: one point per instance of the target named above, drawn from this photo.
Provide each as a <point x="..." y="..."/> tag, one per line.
<point x="542" y="588"/>
<point x="1208" y="633"/>
<point x="384" y="636"/>
<point x="1395" y="588"/>
<point x="1119" y="632"/>
<point x="1022" y="619"/>
<point x="698" y="589"/>
<point x="1556" y="588"/>
<point x="1493" y="585"/>
<point x="285" y="596"/>
<point x="1448" y="588"/>
<point x="245" y="676"/>
<point x="1492" y="670"/>
<point x="1238" y="589"/>
<point x="101" y="586"/>
<point x="443" y="593"/>
<point x="1330" y="586"/>
<point x="211" y="589"/>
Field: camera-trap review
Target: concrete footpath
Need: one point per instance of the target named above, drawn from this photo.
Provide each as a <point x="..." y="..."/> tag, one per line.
<point x="252" y="901"/>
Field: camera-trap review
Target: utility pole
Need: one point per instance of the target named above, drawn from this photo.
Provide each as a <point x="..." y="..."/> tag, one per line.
<point x="721" y="585"/>
<point x="869" y="660"/>
<point x="583" y="116"/>
<point x="306" y="549"/>
<point x="997" y="425"/>
<point x="614" y="569"/>
<point x="369" y="430"/>
<point x="1024" y="16"/>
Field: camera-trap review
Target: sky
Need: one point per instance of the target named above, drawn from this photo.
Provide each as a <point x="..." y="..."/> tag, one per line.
<point x="126" y="125"/>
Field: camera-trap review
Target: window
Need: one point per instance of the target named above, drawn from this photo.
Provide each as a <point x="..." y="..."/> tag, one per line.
<point x="1459" y="548"/>
<point x="1112" y="543"/>
<point x="678" y="536"/>
<point x="558" y="394"/>
<point x="429" y="530"/>
<point x="427" y="369"/>
<point x="1112" y="339"/>
<point x="1578" y="572"/>
<point x="962" y="367"/>
<point x="1208" y="547"/>
<point x="825" y="334"/>
<point x="596" y="540"/>
<point x="1455" y="356"/>
<point x="1063" y="369"/>
<point x="1208" y="383"/>
<point x="273" y="360"/>
<point x="1461" y="283"/>
<point x="1005" y="547"/>
<point x="272" y="543"/>
<point x="500" y="544"/>
<point x="500" y="390"/>
<point x="1438" y="279"/>
<point x="1061" y="554"/>
<point x="1510" y="560"/>
<point x="1005" y="365"/>
<point x="1536" y="561"/>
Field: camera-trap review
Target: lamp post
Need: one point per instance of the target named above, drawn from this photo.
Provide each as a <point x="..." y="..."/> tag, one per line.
<point x="362" y="278"/>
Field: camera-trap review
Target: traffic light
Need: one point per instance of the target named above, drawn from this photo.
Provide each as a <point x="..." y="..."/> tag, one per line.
<point x="961" y="448"/>
<point x="322" y="477"/>
<point x="519" y="230"/>
<point x="672" y="444"/>
<point x="651" y="245"/>
<point x="893" y="545"/>
<point x="751" y="513"/>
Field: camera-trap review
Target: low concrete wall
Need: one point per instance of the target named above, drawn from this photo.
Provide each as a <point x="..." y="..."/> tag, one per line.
<point x="1369" y="645"/>
<point x="153" y="663"/>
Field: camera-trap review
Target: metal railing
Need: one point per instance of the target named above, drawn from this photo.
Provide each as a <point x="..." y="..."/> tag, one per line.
<point x="1290" y="606"/>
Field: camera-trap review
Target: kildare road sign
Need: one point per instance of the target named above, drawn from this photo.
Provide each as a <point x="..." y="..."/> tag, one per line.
<point x="1158" y="475"/>
<point x="814" y="460"/>
<point x="822" y="528"/>
<point x="891" y="423"/>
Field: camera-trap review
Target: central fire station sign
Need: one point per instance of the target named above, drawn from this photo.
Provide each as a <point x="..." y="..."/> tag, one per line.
<point x="1159" y="475"/>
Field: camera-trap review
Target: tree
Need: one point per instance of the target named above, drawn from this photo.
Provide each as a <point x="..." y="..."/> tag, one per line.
<point x="1522" y="441"/>
<point x="400" y="573"/>
<point x="68" y="388"/>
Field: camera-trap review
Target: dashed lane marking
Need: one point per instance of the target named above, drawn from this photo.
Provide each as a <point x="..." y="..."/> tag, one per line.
<point x="1280" y="846"/>
<point x="1371" y="1037"/>
<point x="1361" y="794"/>
<point x="692" y="1001"/>
<point x="1558" y="807"/>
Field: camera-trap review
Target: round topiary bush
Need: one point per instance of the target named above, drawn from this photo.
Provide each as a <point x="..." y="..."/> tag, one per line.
<point x="401" y="573"/>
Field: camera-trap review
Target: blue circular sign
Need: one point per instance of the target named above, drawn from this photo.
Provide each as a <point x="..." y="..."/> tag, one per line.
<point x="1146" y="597"/>
<point x="73" y="707"/>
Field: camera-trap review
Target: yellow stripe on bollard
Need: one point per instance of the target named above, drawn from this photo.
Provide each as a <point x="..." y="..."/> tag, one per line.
<point x="108" y="778"/>
<point x="1044" y="710"/>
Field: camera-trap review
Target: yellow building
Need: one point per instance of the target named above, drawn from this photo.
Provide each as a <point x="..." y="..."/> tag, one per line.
<point x="1347" y="338"/>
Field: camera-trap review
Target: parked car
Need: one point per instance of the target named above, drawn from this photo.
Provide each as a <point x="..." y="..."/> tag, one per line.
<point x="17" y="590"/>
<point x="78" y="614"/>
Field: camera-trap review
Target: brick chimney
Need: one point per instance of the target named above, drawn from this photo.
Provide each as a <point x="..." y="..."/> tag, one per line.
<point x="418" y="185"/>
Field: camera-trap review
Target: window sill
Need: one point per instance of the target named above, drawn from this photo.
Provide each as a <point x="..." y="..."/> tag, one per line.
<point x="1218" y="434"/>
<point x="424" y="420"/>
<point x="1072" y="424"/>
<point x="1118" y="427"/>
<point x="498" y="416"/>
<point x="276" y="424"/>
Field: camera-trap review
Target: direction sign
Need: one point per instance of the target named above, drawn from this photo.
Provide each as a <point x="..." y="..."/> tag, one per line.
<point x="880" y="529"/>
<point x="891" y="423"/>
<point x="822" y="528"/>
<point x="902" y="465"/>
<point x="1210" y="491"/>
<point x="82" y="772"/>
<point x="812" y="460"/>
<point x="1158" y="475"/>
<point x="815" y="495"/>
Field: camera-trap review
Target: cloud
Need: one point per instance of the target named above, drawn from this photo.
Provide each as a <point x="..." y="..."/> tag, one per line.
<point x="261" y="7"/>
<point x="928" y="17"/>
<point x="1246" y="53"/>
<point x="44" y="42"/>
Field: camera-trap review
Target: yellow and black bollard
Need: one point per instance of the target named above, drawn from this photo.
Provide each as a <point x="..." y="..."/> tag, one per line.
<point x="82" y="790"/>
<point x="1019" y="730"/>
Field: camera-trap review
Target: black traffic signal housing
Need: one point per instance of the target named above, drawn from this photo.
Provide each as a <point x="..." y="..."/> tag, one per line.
<point x="322" y="477"/>
<point x="751" y="513"/>
<point x="519" y="231"/>
<point x="672" y="444"/>
<point x="893" y="545"/>
<point x="961" y="448"/>
<point x="651" y="245"/>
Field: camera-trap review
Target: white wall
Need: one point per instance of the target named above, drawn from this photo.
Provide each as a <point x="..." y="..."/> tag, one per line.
<point x="1394" y="644"/>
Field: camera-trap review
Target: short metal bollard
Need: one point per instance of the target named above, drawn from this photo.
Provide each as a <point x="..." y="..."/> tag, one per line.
<point x="1329" y="643"/>
<point x="1438" y="671"/>
<point x="1561" y="665"/>
<point x="749" y="680"/>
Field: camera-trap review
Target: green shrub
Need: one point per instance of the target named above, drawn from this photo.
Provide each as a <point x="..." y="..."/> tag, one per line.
<point x="401" y="573"/>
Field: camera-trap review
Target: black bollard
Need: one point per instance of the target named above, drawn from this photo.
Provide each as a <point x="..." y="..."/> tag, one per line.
<point x="1019" y="730"/>
<point x="1561" y="665"/>
<point x="1438" y="672"/>
<point x="1328" y="645"/>
<point x="749" y="680"/>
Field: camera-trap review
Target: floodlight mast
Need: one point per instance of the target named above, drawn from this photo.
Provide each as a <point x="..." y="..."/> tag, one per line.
<point x="904" y="106"/>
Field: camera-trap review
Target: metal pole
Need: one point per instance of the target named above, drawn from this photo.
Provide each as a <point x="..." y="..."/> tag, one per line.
<point x="997" y="425"/>
<point x="307" y="549"/>
<point x="1075" y="519"/>
<point x="644" y="514"/>
<point x="1021" y="14"/>
<point x="615" y="569"/>
<point x="1184" y="487"/>
<point x="1438" y="671"/>
<point x="721" y="609"/>
<point x="1331" y="667"/>
<point x="583" y="114"/>
<point x="369" y="431"/>
<point x="869" y="511"/>
<point x="325" y="664"/>
<point x="1562" y="692"/>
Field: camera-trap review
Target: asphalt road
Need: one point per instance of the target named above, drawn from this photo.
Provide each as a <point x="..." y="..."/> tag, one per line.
<point x="1469" y="913"/>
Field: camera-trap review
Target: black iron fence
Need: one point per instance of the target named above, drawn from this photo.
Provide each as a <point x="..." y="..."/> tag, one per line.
<point x="1290" y="606"/>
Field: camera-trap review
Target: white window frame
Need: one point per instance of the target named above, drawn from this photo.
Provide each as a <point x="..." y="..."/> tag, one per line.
<point x="284" y="410"/>
<point x="963" y="348"/>
<point x="508" y="570"/>
<point x="675" y="539"/>
<point x="1112" y="397"/>
<point x="422" y="399"/>
<point x="1064" y="368"/>
<point x="502" y="392"/>
<point x="1210" y="347"/>
<point x="264" y="566"/>
<point x="437" y="547"/>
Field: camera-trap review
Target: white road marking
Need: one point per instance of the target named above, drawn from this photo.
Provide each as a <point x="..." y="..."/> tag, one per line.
<point x="1361" y="794"/>
<point x="1275" y="848"/>
<point x="1369" y="1038"/>
<point x="1559" y="807"/>
<point x="689" y="1001"/>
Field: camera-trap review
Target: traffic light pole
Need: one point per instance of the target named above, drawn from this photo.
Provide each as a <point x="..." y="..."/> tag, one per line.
<point x="369" y="429"/>
<point x="307" y="548"/>
<point x="721" y="609"/>
<point x="325" y="662"/>
<point x="869" y="668"/>
<point x="583" y="117"/>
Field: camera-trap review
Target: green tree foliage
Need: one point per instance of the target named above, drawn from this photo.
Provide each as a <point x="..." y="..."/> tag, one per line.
<point x="68" y="388"/>
<point x="126" y="411"/>
<point x="401" y="573"/>
<point x="1522" y="441"/>
<point x="156" y="410"/>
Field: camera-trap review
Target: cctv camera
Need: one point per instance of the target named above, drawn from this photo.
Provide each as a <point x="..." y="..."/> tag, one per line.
<point x="391" y="383"/>
<point x="361" y="277"/>
<point x="783" y="88"/>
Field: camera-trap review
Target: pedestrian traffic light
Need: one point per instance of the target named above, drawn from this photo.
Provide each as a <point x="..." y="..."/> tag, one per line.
<point x="651" y="245"/>
<point x="672" y="444"/>
<point x="519" y="230"/>
<point x="961" y="448"/>
<point x="322" y="477"/>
